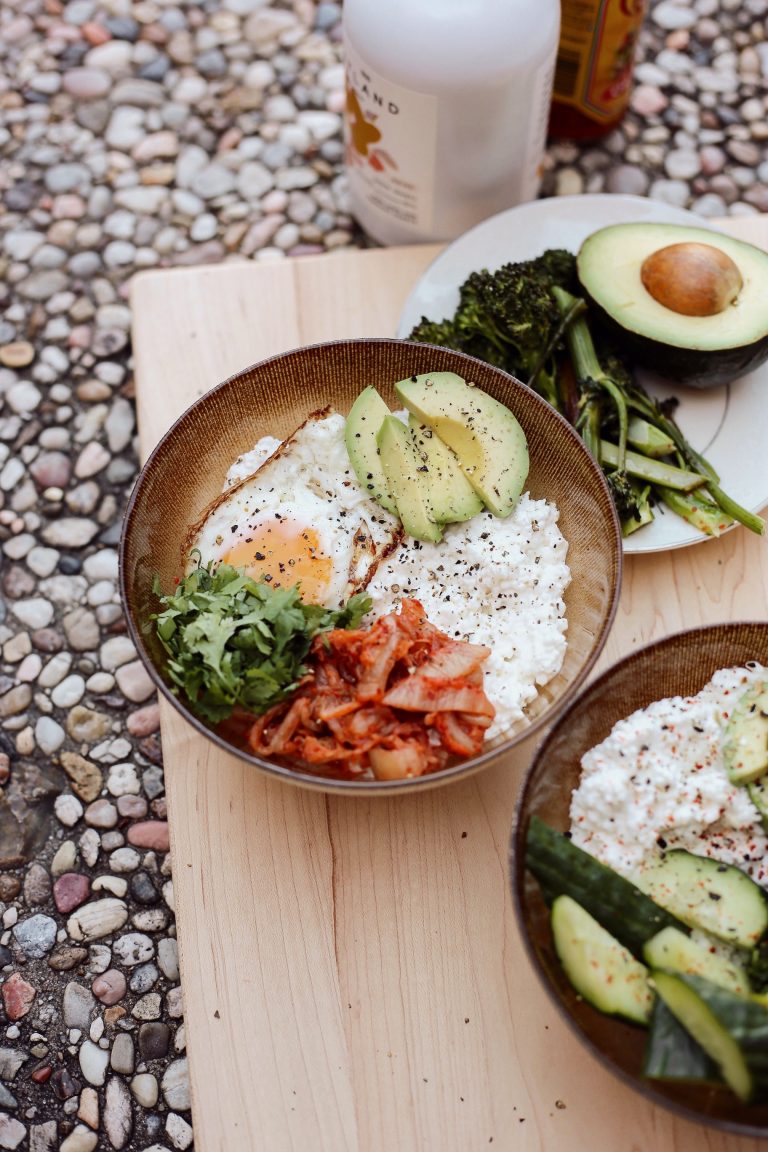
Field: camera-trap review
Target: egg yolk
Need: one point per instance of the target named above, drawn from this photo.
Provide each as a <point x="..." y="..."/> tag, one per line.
<point x="284" y="554"/>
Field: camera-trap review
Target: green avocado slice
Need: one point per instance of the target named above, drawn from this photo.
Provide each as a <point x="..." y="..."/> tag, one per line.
<point x="488" y="440"/>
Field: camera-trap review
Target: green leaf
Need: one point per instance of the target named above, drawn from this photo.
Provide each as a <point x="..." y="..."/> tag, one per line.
<point x="232" y="641"/>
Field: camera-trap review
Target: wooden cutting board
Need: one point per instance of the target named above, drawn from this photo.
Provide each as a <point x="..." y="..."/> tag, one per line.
<point x="352" y="973"/>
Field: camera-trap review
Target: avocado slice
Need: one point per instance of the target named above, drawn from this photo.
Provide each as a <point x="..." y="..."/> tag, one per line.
<point x="365" y="418"/>
<point x="745" y="747"/>
<point x="489" y="442"/>
<point x="402" y="465"/>
<point x="452" y="497"/>
<point x="686" y="302"/>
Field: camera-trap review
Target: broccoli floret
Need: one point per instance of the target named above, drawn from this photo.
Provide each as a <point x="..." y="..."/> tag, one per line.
<point x="624" y="495"/>
<point x="440" y="332"/>
<point x="556" y="266"/>
<point x="510" y="319"/>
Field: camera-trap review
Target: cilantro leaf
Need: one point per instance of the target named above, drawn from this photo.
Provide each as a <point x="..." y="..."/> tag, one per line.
<point x="232" y="641"/>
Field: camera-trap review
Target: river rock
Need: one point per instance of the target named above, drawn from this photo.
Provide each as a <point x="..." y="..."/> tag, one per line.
<point x="98" y="919"/>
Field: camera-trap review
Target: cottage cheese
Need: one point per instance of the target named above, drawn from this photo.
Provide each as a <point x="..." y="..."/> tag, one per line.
<point x="494" y="582"/>
<point x="659" y="780"/>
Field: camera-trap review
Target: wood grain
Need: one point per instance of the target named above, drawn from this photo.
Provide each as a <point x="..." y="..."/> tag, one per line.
<point x="352" y="973"/>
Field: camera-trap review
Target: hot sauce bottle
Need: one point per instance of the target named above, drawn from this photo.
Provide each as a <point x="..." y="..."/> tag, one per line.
<point x="595" y="62"/>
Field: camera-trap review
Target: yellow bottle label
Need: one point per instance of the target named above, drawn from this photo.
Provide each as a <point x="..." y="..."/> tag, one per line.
<point x="596" y="55"/>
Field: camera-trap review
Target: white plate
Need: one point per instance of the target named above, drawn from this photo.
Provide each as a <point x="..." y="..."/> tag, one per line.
<point x="728" y="425"/>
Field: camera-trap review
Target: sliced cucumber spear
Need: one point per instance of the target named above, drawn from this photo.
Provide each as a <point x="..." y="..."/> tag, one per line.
<point x="732" y="1029"/>
<point x="708" y="894"/>
<point x="622" y="909"/>
<point x="600" y="969"/>
<point x="671" y="1053"/>
<point x="745" y="748"/>
<point x="671" y="949"/>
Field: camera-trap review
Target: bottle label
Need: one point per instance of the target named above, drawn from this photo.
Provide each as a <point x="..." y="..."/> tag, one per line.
<point x="390" y="136"/>
<point x="596" y="55"/>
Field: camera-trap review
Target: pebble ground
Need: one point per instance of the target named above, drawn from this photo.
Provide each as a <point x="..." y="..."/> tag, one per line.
<point x="149" y="134"/>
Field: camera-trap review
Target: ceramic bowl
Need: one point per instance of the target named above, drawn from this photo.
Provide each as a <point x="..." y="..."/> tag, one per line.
<point x="681" y="664"/>
<point x="187" y="469"/>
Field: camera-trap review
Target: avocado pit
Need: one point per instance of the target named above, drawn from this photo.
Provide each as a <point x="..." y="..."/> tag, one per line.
<point x="692" y="279"/>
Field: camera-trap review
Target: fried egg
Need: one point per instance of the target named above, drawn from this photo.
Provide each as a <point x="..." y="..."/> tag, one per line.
<point x="300" y="518"/>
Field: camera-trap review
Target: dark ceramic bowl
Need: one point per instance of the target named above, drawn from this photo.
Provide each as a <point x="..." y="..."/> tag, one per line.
<point x="678" y="665"/>
<point x="187" y="469"/>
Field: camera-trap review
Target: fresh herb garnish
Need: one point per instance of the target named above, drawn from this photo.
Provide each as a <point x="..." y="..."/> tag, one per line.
<point x="233" y="641"/>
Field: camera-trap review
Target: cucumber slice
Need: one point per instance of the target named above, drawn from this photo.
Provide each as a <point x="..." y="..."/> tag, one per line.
<point x="708" y="894"/>
<point x="622" y="909"/>
<point x="671" y="1053"/>
<point x="757" y="967"/>
<point x="598" y="966"/>
<point x="758" y="794"/>
<point x="732" y="1030"/>
<point x="745" y="745"/>
<point x="671" y="949"/>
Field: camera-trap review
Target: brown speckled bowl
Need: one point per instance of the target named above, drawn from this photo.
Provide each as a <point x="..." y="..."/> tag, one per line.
<point x="188" y="466"/>
<point x="678" y="665"/>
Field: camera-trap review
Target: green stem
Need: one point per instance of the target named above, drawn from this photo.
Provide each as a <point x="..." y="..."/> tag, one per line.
<point x="702" y="514"/>
<point x="587" y="366"/>
<point x="731" y="508"/>
<point x="575" y="309"/>
<point x="654" y="471"/>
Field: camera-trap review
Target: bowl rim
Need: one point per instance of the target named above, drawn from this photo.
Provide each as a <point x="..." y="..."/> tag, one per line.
<point x="458" y="771"/>
<point x="516" y="854"/>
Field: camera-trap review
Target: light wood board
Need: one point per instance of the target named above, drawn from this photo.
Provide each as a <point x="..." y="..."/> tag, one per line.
<point x="352" y="973"/>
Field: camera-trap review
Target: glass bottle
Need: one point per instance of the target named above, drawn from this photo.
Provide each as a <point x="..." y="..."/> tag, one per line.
<point x="447" y="107"/>
<point x="595" y="62"/>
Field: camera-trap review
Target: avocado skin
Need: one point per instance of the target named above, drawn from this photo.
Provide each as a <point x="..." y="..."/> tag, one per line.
<point x="697" y="369"/>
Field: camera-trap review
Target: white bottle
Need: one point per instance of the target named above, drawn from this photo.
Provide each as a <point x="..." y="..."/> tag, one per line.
<point x="447" y="108"/>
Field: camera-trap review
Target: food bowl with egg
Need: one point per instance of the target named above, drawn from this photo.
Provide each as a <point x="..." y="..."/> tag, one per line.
<point x="638" y="872"/>
<point x="308" y="603"/>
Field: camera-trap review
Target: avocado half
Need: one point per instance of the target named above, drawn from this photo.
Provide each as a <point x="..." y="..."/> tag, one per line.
<point x="688" y="270"/>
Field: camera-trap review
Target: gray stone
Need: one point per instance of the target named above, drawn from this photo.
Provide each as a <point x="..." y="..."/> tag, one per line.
<point x="175" y="1086"/>
<point x="36" y="935"/>
<point x="43" y="1137"/>
<point x="122" y="1057"/>
<point x="179" y="1131"/>
<point x="11" y="1059"/>
<point x="214" y="180"/>
<point x="43" y="284"/>
<point x="93" y="1062"/>
<point x="148" y="1007"/>
<point x="37" y="885"/>
<point x="145" y="1089"/>
<point x="67" y="178"/>
<point x="70" y="532"/>
<point x="80" y="1139"/>
<point x="168" y="958"/>
<point x="12" y="1132"/>
<point x="78" y="1006"/>
<point x="143" y="978"/>
<point x="118" y="1115"/>
<point x="133" y="948"/>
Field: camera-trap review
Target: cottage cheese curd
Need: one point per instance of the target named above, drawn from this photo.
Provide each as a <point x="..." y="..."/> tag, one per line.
<point x="659" y="781"/>
<point x="495" y="582"/>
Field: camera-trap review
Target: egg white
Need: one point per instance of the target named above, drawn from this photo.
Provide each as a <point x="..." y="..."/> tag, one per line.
<point x="302" y="516"/>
